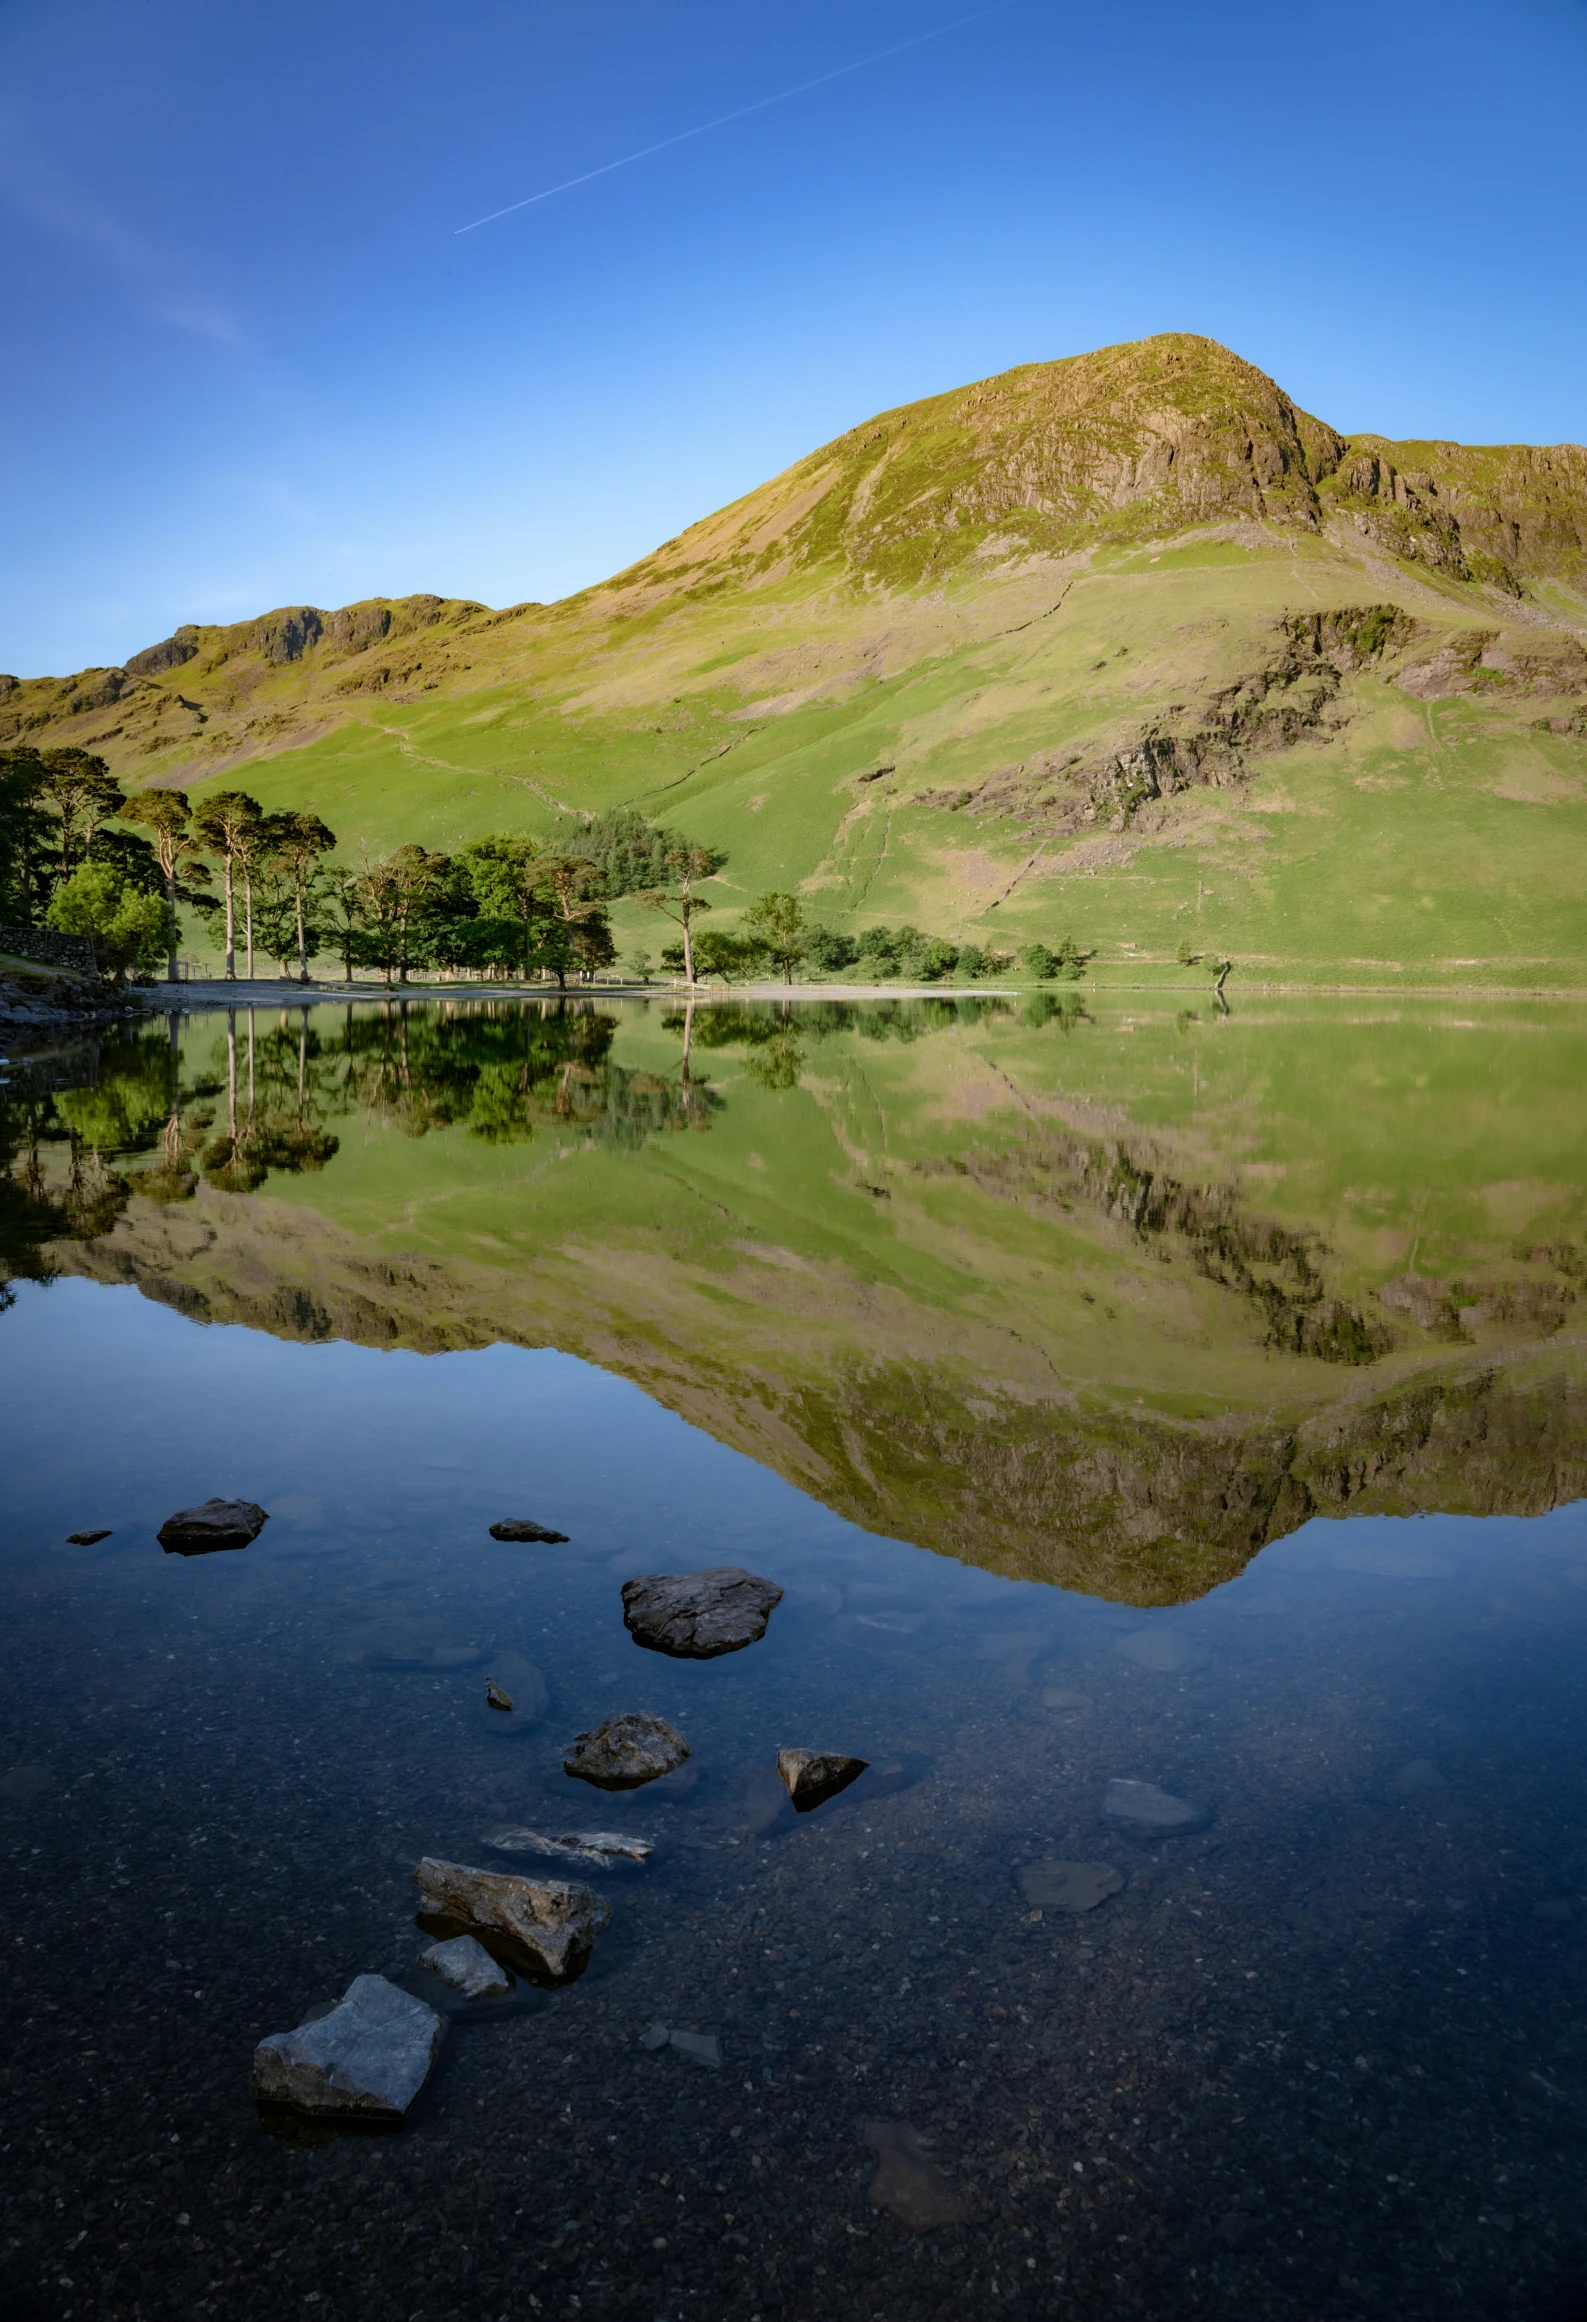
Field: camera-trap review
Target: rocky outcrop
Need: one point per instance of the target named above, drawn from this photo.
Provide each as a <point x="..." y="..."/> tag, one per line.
<point x="171" y="653"/>
<point x="1488" y="661"/>
<point x="1295" y="694"/>
<point x="369" y="2057"/>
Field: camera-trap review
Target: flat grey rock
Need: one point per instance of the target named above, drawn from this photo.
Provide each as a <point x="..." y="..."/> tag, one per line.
<point x="466" y="1966"/>
<point x="215" y="1524"/>
<point x="811" y="1777"/>
<point x="1149" y="1812"/>
<point x="704" y="2047"/>
<point x="550" y="1922"/>
<point x="696" y="1615"/>
<point x="588" y="1846"/>
<point x="622" y="1752"/>
<point x="654" y="2037"/>
<point x="520" y="1528"/>
<point x="1067" y="1886"/>
<point x="370" y="2055"/>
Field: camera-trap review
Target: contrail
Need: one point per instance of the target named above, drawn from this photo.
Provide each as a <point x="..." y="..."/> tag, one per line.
<point x="722" y="119"/>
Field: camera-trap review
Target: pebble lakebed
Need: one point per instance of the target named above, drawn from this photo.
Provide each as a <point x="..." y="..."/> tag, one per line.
<point x="1321" y="2056"/>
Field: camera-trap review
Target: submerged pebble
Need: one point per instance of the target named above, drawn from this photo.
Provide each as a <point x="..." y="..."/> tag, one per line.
<point x="1067" y="1886"/>
<point x="1147" y="1811"/>
<point x="908" y="2183"/>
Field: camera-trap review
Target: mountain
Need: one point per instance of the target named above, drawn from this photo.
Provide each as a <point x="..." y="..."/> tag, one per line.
<point x="1127" y="646"/>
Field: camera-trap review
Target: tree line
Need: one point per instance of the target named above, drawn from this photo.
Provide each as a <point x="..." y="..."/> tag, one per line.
<point x="80" y="854"/>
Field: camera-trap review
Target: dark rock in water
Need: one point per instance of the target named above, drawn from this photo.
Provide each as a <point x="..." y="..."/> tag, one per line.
<point x="370" y="2055"/>
<point x="87" y="1539"/>
<point x="599" y="1847"/>
<point x="465" y="1965"/>
<point x="908" y="2183"/>
<point x="515" y="1696"/>
<point x="1067" y="1886"/>
<point x="520" y="1528"/>
<point x="622" y="1752"/>
<point x="811" y="1777"/>
<point x="1146" y="1811"/>
<point x="550" y="1923"/>
<point x="217" y="1524"/>
<point x="696" y="1615"/>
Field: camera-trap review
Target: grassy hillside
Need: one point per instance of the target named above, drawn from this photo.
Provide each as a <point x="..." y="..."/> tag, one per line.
<point x="1125" y="646"/>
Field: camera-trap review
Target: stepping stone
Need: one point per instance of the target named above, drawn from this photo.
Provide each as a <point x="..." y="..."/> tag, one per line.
<point x="215" y="1524"/>
<point x="811" y="1777"/>
<point x="520" y="1528"/>
<point x="465" y="1965"/>
<point x="551" y="1922"/>
<point x="696" y="1615"/>
<point x="622" y="1752"/>
<point x="85" y="1539"/>
<point x="370" y="2055"/>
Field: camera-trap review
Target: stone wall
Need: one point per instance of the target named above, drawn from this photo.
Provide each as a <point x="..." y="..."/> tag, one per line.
<point x="49" y="948"/>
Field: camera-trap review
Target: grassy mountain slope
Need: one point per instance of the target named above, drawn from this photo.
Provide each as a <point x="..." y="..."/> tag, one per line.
<point x="1126" y="645"/>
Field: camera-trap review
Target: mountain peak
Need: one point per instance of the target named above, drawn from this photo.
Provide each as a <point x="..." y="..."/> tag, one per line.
<point x="1141" y="438"/>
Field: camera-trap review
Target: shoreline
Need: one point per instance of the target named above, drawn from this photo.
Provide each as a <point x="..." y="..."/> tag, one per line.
<point x="262" y="992"/>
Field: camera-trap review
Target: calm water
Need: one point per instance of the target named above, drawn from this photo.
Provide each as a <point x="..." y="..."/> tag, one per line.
<point x="1191" y="1402"/>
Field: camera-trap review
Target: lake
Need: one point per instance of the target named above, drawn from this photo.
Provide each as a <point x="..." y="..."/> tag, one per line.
<point x="1169" y="1435"/>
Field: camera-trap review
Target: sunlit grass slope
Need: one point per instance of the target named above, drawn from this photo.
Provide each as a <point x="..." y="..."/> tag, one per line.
<point x="1024" y="660"/>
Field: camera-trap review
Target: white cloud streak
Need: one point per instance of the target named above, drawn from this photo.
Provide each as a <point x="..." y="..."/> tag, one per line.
<point x="782" y="96"/>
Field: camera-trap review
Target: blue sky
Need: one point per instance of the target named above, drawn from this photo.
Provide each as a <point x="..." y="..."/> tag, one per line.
<point x="250" y="360"/>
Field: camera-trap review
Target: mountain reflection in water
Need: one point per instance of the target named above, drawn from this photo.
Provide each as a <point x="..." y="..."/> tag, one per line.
<point x="1110" y="1300"/>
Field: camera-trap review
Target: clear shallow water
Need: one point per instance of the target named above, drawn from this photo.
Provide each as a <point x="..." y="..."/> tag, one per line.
<point x="1323" y="2056"/>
